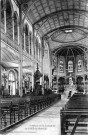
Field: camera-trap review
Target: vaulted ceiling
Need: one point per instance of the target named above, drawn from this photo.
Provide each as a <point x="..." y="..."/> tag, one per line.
<point x="61" y="22"/>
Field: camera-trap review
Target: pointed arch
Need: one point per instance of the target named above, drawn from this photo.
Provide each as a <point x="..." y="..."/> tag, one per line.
<point x="10" y="5"/>
<point x="36" y="44"/>
<point x="15" y="16"/>
<point x="27" y="38"/>
<point x="2" y="15"/>
<point x="9" y="11"/>
<point x="30" y="40"/>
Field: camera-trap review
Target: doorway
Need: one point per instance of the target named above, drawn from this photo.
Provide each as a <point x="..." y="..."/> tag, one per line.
<point x="12" y="83"/>
<point x="61" y="84"/>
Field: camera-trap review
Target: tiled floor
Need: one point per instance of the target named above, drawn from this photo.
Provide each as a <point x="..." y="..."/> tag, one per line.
<point x="45" y="123"/>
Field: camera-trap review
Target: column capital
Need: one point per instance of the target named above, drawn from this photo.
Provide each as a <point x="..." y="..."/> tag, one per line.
<point x="18" y="21"/>
<point x="4" y="5"/>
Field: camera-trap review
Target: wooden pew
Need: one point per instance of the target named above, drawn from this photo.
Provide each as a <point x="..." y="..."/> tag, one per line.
<point x="15" y="110"/>
<point x="74" y="115"/>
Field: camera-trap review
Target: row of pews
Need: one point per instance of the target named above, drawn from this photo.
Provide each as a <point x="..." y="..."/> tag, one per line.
<point x="74" y="115"/>
<point x="15" y="110"/>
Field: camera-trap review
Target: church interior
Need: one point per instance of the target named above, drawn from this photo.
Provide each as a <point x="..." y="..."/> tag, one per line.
<point x="44" y="65"/>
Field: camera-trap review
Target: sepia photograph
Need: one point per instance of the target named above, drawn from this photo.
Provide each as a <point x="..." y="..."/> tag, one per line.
<point x="43" y="67"/>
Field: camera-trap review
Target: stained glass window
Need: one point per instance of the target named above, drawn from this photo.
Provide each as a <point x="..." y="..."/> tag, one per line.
<point x="61" y="66"/>
<point x="70" y="66"/>
<point x="79" y="65"/>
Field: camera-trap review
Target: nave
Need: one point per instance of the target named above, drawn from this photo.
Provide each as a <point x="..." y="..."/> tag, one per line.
<point x="43" y="55"/>
<point x="47" y="122"/>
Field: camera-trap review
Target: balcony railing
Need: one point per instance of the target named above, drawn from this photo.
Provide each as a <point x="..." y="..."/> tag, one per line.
<point x="7" y="38"/>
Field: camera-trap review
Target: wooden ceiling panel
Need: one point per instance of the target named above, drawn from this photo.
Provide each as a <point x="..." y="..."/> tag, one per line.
<point x="37" y="4"/>
<point x="39" y="8"/>
<point x="64" y="5"/>
<point x="70" y="4"/>
<point x="52" y="9"/>
<point x="45" y="5"/>
<point x="81" y="23"/>
<point x="86" y="24"/>
<point x="71" y="22"/>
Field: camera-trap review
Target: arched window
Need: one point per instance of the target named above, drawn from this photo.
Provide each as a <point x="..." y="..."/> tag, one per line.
<point x="70" y="66"/>
<point x="15" y="28"/>
<point x="26" y="39"/>
<point x="11" y="76"/>
<point x="61" y="66"/>
<point x="9" y="20"/>
<point x="79" y="65"/>
<point x="12" y="83"/>
<point x="34" y="46"/>
<point x="37" y="48"/>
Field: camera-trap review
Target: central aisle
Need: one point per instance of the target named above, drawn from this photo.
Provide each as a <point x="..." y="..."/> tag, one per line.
<point x="45" y="123"/>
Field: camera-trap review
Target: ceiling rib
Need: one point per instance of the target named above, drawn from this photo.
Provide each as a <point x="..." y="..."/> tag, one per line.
<point x="79" y="14"/>
<point x="65" y="27"/>
<point x="53" y="15"/>
<point x="76" y="51"/>
<point x="60" y="11"/>
<point x="55" y="3"/>
<point x="72" y="52"/>
<point x="62" y="50"/>
<point x="40" y="16"/>
<point x="68" y="13"/>
<point x="29" y="7"/>
<point x="45" y="13"/>
<point x="79" y="46"/>
<point x="73" y="14"/>
<point x="85" y="14"/>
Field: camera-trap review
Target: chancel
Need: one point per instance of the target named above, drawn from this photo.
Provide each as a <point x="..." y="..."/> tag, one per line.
<point x="44" y="67"/>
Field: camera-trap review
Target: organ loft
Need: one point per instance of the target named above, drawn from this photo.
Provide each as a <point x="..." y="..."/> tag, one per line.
<point x="44" y="66"/>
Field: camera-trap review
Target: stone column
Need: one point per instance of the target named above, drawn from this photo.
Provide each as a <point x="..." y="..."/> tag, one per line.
<point x="4" y="15"/>
<point x="24" y="41"/>
<point x="39" y="52"/>
<point x="0" y="66"/>
<point x="41" y="77"/>
<point x="33" y="42"/>
<point x="0" y="47"/>
<point x="49" y="57"/>
<point x="42" y="56"/>
<point x="84" y="70"/>
<point x="20" y="52"/>
<point x="13" y="26"/>
<point x="33" y="47"/>
<point x="29" y="42"/>
<point x="75" y="70"/>
<point x="57" y="72"/>
<point x="32" y="79"/>
<point x="18" y="32"/>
